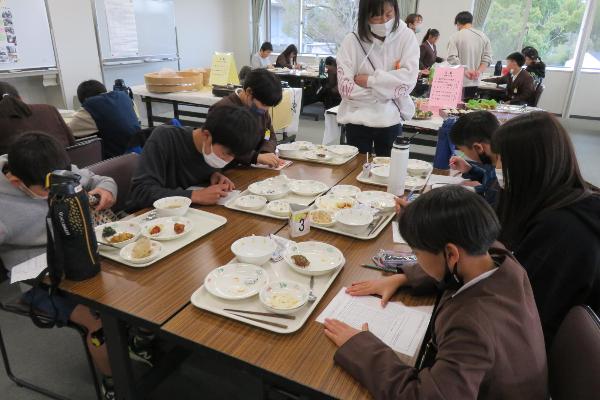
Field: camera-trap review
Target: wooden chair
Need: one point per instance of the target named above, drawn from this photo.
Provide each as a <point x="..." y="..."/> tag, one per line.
<point x="538" y="94"/>
<point x="121" y="169"/>
<point x="86" y="152"/>
<point x="574" y="359"/>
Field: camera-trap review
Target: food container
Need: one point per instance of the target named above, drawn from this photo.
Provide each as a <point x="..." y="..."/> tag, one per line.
<point x="174" y="206"/>
<point x="255" y="250"/>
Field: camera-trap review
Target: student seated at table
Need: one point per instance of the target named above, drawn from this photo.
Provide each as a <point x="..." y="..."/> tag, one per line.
<point x="534" y="64"/>
<point x="17" y="117"/>
<point x="520" y="88"/>
<point x="23" y="200"/>
<point x="428" y="51"/>
<point x="261" y="91"/>
<point x="486" y="341"/>
<point x="261" y="59"/>
<point x="472" y="134"/>
<point x="288" y="58"/>
<point x="329" y="93"/>
<point x="110" y="115"/>
<point x="550" y="217"/>
<point x="175" y="159"/>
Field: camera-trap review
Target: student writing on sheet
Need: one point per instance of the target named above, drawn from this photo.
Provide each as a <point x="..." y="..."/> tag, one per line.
<point x="485" y="341"/>
<point x="261" y="91"/>
<point x="17" y="118"/>
<point x="377" y="70"/>
<point x="261" y="58"/>
<point x="176" y="158"/>
<point x="288" y="58"/>
<point x="550" y="215"/>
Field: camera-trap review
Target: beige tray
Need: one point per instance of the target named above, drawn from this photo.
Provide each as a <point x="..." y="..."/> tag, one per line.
<point x="362" y="236"/>
<point x="277" y="271"/>
<point x="204" y="223"/>
<point x="372" y="181"/>
<point x="339" y="160"/>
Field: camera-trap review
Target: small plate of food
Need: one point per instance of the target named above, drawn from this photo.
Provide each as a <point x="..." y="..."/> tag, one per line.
<point x="334" y="203"/>
<point x="168" y="228"/>
<point x="251" y="202"/>
<point x="345" y="190"/>
<point x="284" y="297"/>
<point x="141" y="252"/>
<point x="308" y="187"/>
<point x="313" y="258"/>
<point x="324" y="218"/>
<point x="271" y="189"/>
<point x="118" y="234"/>
<point x="383" y="201"/>
<point x="236" y="281"/>
<point x="280" y="208"/>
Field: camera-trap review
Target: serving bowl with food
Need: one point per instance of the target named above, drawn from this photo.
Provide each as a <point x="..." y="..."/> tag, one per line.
<point x="283" y="297"/>
<point x="118" y="234"/>
<point x="174" y="206"/>
<point x="422" y="115"/>
<point x="381" y="160"/>
<point x="141" y="252"/>
<point x="334" y="202"/>
<point x="236" y="281"/>
<point x="255" y="250"/>
<point x="324" y="218"/>
<point x="313" y="258"/>
<point x="167" y="228"/>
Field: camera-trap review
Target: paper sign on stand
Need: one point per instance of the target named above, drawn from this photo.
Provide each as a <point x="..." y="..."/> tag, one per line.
<point x="223" y="70"/>
<point x="446" y="90"/>
<point x="299" y="221"/>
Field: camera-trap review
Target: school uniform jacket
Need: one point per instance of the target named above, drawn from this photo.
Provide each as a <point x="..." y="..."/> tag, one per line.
<point x="266" y="140"/>
<point x="489" y="339"/>
<point x="519" y="90"/>
<point x="428" y="55"/>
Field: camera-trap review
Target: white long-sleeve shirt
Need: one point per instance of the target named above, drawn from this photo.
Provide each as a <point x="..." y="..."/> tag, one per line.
<point x="374" y="106"/>
<point x="470" y="48"/>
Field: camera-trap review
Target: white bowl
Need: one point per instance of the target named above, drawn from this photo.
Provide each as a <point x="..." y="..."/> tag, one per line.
<point x="174" y="206"/>
<point x="323" y="224"/>
<point x="323" y="258"/>
<point x="345" y="190"/>
<point x="381" y="173"/>
<point x="289" y="149"/>
<point x="236" y="281"/>
<point x="294" y="294"/>
<point x="381" y="160"/>
<point x="251" y="202"/>
<point x="271" y="189"/>
<point x="255" y="250"/>
<point x="307" y="187"/>
<point x="281" y="208"/>
<point x="334" y="202"/>
<point x="156" y="249"/>
<point x="383" y="201"/>
<point x="418" y="167"/>
<point x="414" y="183"/>
<point x="354" y="220"/>
<point x="120" y="227"/>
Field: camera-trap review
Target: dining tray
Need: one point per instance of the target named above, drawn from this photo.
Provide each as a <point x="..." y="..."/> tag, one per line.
<point x="202" y="299"/>
<point x="372" y="181"/>
<point x="362" y="236"/>
<point x="204" y="223"/>
<point x="338" y="160"/>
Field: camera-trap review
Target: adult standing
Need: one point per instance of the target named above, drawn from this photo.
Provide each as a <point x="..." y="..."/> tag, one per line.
<point x="377" y="70"/>
<point x="470" y="48"/>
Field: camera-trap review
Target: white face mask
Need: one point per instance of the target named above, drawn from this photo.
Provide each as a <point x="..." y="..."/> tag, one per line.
<point x="382" y="30"/>
<point x="214" y="160"/>
<point x="418" y="29"/>
<point x="500" y="178"/>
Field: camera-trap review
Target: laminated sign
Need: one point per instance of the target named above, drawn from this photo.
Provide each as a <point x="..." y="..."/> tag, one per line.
<point x="223" y="70"/>
<point x="446" y="89"/>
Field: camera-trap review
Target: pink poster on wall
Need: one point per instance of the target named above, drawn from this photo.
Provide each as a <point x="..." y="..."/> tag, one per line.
<point x="446" y="89"/>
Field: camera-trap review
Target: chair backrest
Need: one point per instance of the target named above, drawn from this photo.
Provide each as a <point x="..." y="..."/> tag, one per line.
<point x="574" y="359"/>
<point x="281" y="114"/>
<point x="85" y="152"/>
<point x="538" y="94"/>
<point x="121" y="169"/>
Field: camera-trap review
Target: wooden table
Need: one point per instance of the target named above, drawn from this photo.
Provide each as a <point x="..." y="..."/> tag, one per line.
<point x="305" y="357"/>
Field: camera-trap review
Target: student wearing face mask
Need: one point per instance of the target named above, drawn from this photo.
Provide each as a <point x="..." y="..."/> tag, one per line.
<point x="176" y="158"/>
<point x="485" y="340"/>
<point x="414" y="22"/>
<point x="261" y="91"/>
<point x="377" y="70"/>
<point x="520" y="88"/>
<point x="472" y="135"/>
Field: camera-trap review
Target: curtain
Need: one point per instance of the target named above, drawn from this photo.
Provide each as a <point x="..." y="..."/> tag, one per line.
<point x="407" y="7"/>
<point x="480" y="12"/>
<point x="257" y="9"/>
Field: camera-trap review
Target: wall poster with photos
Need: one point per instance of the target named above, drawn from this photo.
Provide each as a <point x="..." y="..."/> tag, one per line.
<point x="8" y="38"/>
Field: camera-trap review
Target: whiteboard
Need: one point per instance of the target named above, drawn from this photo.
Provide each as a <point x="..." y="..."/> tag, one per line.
<point x="34" y="42"/>
<point x="155" y="22"/>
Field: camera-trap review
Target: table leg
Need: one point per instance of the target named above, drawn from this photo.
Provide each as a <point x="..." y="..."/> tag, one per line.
<point x="148" y="102"/>
<point x="175" y="110"/>
<point x="116" y="335"/>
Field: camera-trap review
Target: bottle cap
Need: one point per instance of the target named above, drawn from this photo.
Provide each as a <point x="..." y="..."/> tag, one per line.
<point x="401" y="142"/>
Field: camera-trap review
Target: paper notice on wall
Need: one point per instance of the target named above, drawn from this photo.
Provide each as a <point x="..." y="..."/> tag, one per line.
<point x="122" y="29"/>
<point x="8" y="38"/>
<point x="446" y="90"/>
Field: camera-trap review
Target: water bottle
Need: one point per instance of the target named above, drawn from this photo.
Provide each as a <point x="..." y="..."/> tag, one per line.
<point x="398" y="166"/>
<point x="498" y="69"/>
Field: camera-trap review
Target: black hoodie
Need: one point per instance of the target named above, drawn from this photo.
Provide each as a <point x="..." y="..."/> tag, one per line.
<point x="561" y="252"/>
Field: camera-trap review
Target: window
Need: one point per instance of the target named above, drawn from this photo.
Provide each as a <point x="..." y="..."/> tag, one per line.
<point x="591" y="60"/>
<point x="551" y="26"/>
<point x="314" y="26"/>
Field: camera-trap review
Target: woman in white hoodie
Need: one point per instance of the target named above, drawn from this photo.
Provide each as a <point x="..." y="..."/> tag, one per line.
<point x="377" y="70"/>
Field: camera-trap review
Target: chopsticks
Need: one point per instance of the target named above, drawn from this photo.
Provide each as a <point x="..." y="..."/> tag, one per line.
<point x="264" y="314"/>
<point x="381" y="221"/>
<point x="108" y="245"/>
<point x="275" y="324"/>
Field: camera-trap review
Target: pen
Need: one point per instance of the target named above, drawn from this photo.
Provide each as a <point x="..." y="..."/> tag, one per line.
<point x="384" y="269"/>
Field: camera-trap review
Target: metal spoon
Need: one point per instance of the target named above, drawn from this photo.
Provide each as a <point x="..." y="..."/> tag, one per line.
<point x="311" y="297"/>
<point x="151" y="215"/>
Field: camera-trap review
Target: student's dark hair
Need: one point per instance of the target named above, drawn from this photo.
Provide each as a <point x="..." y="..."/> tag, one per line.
<point x="516" y="57"/>
<point x="230" y="126"/>
<point x="530" y="52"/>
<point x="540" y="171"/>
<point x="89" y="88"/>
<point x="373" y="8"/>
<point x="11" y="105"/>
<point x="431" y="33"/>
<point x="34" y="155"/>
<point x="450" y="214"/>
<point x="475" y="127"/>
<point x="265" y="86"/>
<point x="291" y="49"/>
<point x="412" y="18"/>
<point x="463" y="18"/>
<point x="266" y="46"/>
<point x="331" y="61"/>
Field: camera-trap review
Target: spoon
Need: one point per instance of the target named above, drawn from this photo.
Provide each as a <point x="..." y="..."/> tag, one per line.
<point x="311" y="297"/>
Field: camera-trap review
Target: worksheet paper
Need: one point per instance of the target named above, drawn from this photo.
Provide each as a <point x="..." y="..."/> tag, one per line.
<point x="400" y="327"/>
<point x="396" y="236"/>
<point x="29" y="269"/>
<point x="282" y="166"/>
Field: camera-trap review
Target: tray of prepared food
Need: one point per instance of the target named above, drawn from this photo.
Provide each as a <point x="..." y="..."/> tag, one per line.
<point x="337" y="154"/>
<point x="379" y="171"/>
<point x="272" y="283"/>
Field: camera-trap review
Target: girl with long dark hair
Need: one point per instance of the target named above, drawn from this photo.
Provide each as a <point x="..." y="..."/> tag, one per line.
<point x="288" y="58"/>
<point x="428" y="50"/>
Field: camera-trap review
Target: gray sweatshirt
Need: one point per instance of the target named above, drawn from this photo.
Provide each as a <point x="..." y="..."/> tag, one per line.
<point x="22" y="219"/>
<point x="469" y="48"/>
